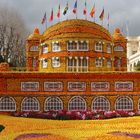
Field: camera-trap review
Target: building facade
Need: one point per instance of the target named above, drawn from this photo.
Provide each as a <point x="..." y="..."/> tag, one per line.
<point x="76" y="46"/>
<point x="73" y="65"/>
<point x="71" y="91"/>
<point x="133" y="52"/>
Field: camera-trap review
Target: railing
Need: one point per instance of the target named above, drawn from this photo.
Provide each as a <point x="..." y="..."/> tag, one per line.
<point x="77" y="69"/>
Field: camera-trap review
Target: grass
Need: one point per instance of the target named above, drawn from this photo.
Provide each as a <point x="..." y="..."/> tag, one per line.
<point x="69" y="130"/>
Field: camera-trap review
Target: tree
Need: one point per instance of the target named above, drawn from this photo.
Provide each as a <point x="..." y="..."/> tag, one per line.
<point x="137" y="66"/>
<point x="12" y="36"/>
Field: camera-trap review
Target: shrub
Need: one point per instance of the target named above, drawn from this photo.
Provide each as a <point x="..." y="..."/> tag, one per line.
<point x="1" y="127"/>
<point x="76" y="115"/>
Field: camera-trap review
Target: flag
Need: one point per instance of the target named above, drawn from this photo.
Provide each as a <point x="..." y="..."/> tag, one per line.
<point x="108" y="17"/>
<point x="92" y="13"/>
<point x="58" y="13"/>
<point x="66" y="9"/>
<point x="75" y="7"/>
<point x="44" y="19"/>
<point x="102" y="15"/>
<point x="51" y="16"/>
<point x="85" y="9"/>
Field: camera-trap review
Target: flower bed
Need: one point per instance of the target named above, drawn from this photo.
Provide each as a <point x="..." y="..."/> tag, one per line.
<point x="76" y="115"/>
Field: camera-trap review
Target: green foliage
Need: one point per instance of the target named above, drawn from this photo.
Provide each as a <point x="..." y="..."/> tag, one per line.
<point x="137" y="66"/>
<point x="1" y="59"/>
<point x="1" y="127"/>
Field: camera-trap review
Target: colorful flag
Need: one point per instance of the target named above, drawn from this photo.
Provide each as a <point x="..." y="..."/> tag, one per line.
<point x="102" y="15"/>
<point x="92" y="13"/>
<point x="75" y="7"/>
<point x="66" y="9"/>
<point x="58" y="13"/>
<point x="51" y="16"/>
<point x="85" y="9"/>
<point x="44" y="19"/>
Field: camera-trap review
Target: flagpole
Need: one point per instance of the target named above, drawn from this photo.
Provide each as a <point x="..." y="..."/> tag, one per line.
<point x="108" y="21"/>
<point x="46" y="23"/>
<point x="94" y="12"/>
<point x="86" y="10"/>
<point x="76" y="9"/>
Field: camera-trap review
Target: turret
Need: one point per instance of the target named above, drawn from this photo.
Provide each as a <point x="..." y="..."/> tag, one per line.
<point x="120" y="51"/>
<point x="32" y="50"/>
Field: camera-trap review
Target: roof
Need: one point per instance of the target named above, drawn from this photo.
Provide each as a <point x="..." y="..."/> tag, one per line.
<point x="77" y="28"/>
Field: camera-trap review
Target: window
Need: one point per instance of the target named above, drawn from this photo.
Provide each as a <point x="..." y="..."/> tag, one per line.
<point x="101" y="103"/>
<point x="98" y="47"/>
<point x="139" y="105"/>
<point x="78" y="64"/>
<point x="77" y="103"/>
<point x="56" y="62"/>
<point x="82" y="46"/>
<point x="29" y="86"/>
<point x="124" y="86"/>
<point x="98" y="62"/>
<point x="117" y="62"/>
<point x="34" y="62"/>
<point x="53" y="86"/>
<point x="108" y="48"/>
<point x="44" y="63"/>
<point x="45" y="49"/>
<point x="99" y="86"/>
<point x="55" y="46"/>
<point x="72" y="46"/>
<point x="124" y="103"/>
<point x="34" y="48"/>
<point x="30" y="104"/>
<point x="77" y="46"/>
<point x="133" y="52"/>
<point x="76" y="86"/>
<point x="53" y="103"/>
<point x="109" y="63"/>
<point x="118" y="49"/>
<point x="7" y="104"/>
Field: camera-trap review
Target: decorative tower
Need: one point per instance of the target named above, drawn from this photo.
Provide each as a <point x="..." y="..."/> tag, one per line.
<point x="32" y="51"/>
<point x="120" y="48"/>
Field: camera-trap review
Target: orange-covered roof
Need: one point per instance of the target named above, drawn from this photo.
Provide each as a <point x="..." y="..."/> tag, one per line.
<point x="35" y="35"/>
<point x="118" y="35"/>
<point x="70" y="28"/>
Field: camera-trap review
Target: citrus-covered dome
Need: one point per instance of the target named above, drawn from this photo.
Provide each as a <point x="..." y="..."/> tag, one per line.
<point x="77" y="28"/>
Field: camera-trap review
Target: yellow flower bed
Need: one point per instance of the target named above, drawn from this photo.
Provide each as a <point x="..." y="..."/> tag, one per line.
<point x="69" y="130"/>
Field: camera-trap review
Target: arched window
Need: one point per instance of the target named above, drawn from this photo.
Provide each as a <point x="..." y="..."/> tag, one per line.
<point x="7" y="104"/>
<point x="30" y="104"/>
<point x="100" y="103"/>
<point x="108" y="48"/>
<point x="55" y="46"/>
<point x="109" y="63"/>
<point x="34" y="48"/>
<point x="124" y="103"/>
<point x="118" y="49"/>
<point x="55" y="62"/>
<point x="139" y="104"/>
<point x="77" y="103"/>
<point x="53" y="103"/>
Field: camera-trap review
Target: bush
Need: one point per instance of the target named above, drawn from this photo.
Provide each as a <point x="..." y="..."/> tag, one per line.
<point x="76" y="115"/>
<point x="1" y="127"/>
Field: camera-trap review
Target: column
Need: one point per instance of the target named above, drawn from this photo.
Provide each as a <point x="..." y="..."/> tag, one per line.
<point x="81" y="63"/>
<point x="87" y="58"/>
<point x="77" y="64"/>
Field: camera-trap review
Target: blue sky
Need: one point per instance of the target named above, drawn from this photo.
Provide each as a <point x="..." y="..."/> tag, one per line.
<point x="123" y="13"/>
